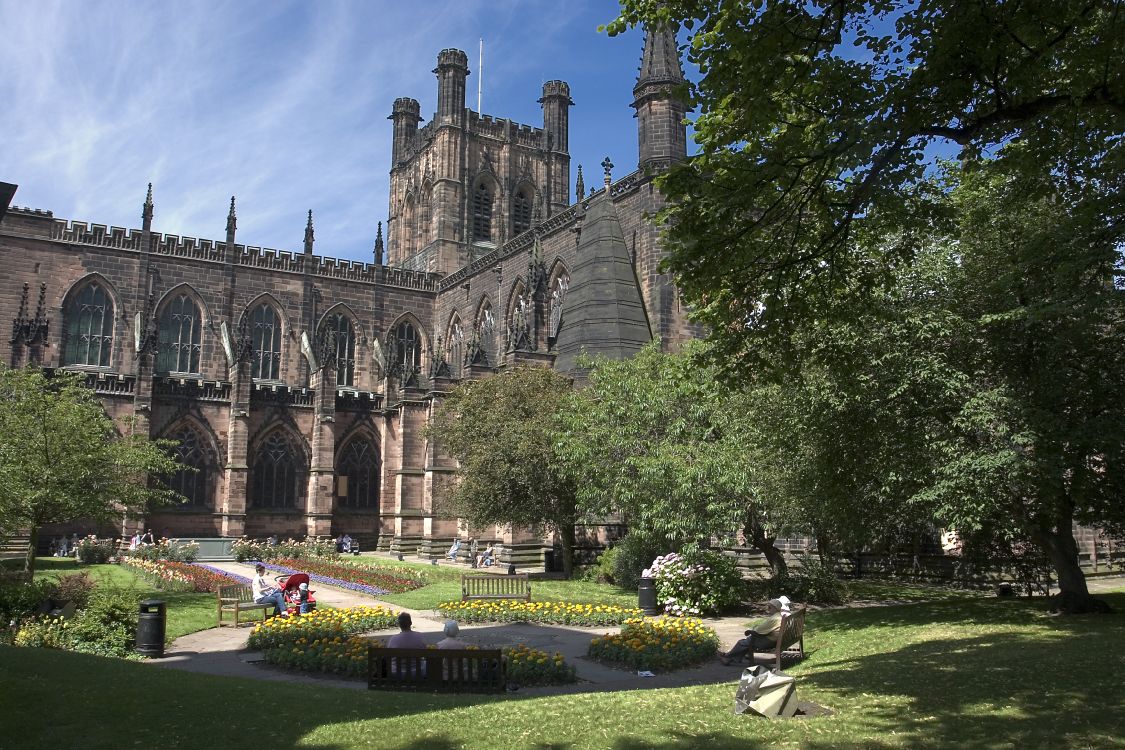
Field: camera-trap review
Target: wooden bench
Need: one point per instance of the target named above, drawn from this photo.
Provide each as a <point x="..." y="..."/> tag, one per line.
<point x="495" y="586"/>
<point x="437" y="670"/>
<point x="237" y="598"/>
<point x="792" y="633"/>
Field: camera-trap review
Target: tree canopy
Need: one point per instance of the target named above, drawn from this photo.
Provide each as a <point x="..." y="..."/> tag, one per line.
<point x="62" y="460"/>
<point x="501" y="430"/>
<point x="818" y="120"/>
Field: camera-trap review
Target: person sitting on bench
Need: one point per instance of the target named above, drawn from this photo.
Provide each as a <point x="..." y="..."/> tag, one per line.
<point x="265" y="593"/>
<point x="453" y="550"/>
<point x="763" y="636"/>
<point x="485" y="560"/>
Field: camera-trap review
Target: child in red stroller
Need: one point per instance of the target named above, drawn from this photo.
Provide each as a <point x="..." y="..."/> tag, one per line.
<point x="295" y="590"/>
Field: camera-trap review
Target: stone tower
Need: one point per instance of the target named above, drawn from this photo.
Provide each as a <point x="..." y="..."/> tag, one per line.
<point x="661" y="133"/>
<point x="465" y="183"/>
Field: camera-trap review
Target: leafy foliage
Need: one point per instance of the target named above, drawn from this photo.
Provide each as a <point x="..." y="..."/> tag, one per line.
<point x="699" y="582"/>
<point x="502" y="430"/>
<point x="61" y="459"/>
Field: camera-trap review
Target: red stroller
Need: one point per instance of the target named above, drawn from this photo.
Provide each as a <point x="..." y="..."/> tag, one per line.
<point x="295" y="591"/>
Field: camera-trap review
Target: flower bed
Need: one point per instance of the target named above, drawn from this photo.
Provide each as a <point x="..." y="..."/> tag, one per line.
<point x="335" y="625"/>
<point x="290" y="549"/>
<point x="666" y="644"/>
<point x="555" y="613"/>
<point x="530" y="666"/>
<point x="180" y="576"/>
<point x="324" y="640"/>
<point x="362" y="578"/>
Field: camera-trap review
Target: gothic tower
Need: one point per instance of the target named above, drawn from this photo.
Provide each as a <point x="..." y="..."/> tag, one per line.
<point x="661" y="133"/>
<point x="467" y="182"/>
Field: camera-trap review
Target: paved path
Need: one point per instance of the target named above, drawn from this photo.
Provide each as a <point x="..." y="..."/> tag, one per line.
<point x="222" y="651"/>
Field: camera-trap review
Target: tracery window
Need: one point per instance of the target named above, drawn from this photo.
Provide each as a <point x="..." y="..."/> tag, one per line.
<point x="358" y="465"/>
<point x="521" y="213"/>
<point x="456" y="349"/>
<point x="558" y="292"/>
<point x="265" y="333"/>
<point x="89" y="327"/>
<point x="195" y="480"/>
<point x="181" y="336"/>
<point x="278" y="473"/>
<point x="409" y="347"/>
<point x="482" y="214"/>
<point x="340" y="327"/>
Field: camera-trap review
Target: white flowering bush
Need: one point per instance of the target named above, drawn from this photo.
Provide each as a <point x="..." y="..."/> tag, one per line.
<point x="695" y="583"/>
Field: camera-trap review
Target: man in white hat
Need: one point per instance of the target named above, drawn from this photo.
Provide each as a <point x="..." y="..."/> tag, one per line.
<point x="763" y="636"/>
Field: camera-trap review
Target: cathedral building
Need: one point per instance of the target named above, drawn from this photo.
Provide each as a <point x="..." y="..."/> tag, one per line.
<point x="298" y="385"/>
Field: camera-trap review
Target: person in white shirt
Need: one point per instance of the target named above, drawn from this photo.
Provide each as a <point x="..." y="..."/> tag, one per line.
<point x="451" y="640"/>
<point x="264" y="591"/>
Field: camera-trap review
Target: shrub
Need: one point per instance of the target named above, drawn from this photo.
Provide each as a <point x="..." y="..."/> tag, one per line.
<point x="290" y="549"/>
<point x="667" y="643"/>
<point x="108" y="623"/>
<point x="167" y="550"/>
<point x="18" y="600"/>
<point x="814" y="581"/>
<point x="555" y="613"/>
<point x="633" y="554"/>
<point x="697" y="582"/>
<point x="75" y="588"/>
<point x="94" y="551"/>
<point x="603" y="571"/>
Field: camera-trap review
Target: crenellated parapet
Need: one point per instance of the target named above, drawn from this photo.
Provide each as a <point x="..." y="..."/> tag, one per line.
<point x="250" y="256"/>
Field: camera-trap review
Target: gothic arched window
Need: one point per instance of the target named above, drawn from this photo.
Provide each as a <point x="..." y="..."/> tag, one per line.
<point x="195" y="480"/>
<point x="358" y="465"/>
<point x="340" y="327"/>
<point x="181" y="336"/>
<point x="265" y="333"/>
<point x="455" y="356"/>
<point x="558" y="292"/>
<point x="521" y="213"/>
<point x="409" y="347"/>
<point x="278" y="473"/>
<point x="482" y="214"/>
<point x="425" y="219"/>
<point x="89" y="327"/>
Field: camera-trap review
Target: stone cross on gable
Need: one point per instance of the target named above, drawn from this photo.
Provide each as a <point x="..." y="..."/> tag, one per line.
<point x="607" y="165"/>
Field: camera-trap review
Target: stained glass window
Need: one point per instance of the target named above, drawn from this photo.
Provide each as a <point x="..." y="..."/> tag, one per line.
<point x="89" y="328"/>
<point x="359" y="464"/>
<point x="340" y="327"/>
<point x="278" y="473"/>
<point x="196" y="479"/>
<point x="181" y="336"/>
<point x="265" y="333"/>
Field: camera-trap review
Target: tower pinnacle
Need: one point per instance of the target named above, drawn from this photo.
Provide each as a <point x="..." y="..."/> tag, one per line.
<point x="309" y="237"/>
<point x="661" y="132"/>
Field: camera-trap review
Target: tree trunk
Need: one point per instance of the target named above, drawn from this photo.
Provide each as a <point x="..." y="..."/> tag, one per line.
<point x="1074" y="596"/>
<point x="756" y="535"/>
<point x="33" y="545"/>
<point x="567" y="538"/>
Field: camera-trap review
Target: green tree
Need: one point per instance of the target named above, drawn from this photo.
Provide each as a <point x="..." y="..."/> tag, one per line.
<point x="61" y="459"/>
<point x="1038" y="436"/>
<point x="501" y="430"/>
<point x="816" y="120"/>
<point x="658" y="437"/>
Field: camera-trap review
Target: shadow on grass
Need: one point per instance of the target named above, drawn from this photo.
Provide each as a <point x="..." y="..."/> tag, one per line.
<point x="1010" y="688"/>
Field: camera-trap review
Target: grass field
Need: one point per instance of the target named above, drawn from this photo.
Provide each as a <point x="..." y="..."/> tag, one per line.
<point x="445" y="585"/>
<point x="970" y="672"/>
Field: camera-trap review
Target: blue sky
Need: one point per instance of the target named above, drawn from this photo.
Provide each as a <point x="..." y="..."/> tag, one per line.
<point x="283" y="104"/>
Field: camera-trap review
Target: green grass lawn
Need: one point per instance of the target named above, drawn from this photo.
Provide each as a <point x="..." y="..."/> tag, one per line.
<point x="445" y="585"/>
<point x="187" y="612"/>
<point x="976" y="672"/>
